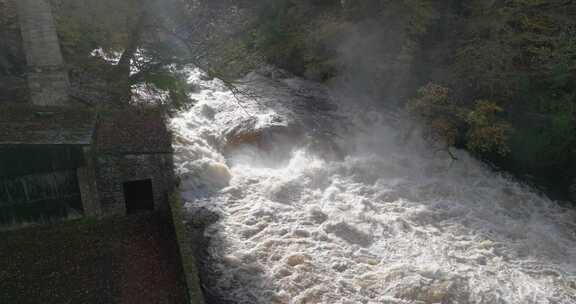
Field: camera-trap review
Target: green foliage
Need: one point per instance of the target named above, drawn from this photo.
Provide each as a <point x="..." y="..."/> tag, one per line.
<point x="295" y="35"/>
<point x="510" y="66"/>
<point x="307" y="37"/>
<point x="177" y="87"/>
<point x="85" y="25"/>
<point x="506" y="42"/>
<point x="134" y="34"/>
<point x="548" y="136"/>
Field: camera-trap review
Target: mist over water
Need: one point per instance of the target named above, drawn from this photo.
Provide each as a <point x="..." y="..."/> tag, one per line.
<point x="319" y="202"/>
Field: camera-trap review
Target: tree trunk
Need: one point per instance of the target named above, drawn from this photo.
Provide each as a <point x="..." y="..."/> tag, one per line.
<point x="122" y="83"/>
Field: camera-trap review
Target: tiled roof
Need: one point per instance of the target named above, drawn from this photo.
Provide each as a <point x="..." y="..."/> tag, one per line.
<point x="33" y="125"/>
<point x="133" y="131"/>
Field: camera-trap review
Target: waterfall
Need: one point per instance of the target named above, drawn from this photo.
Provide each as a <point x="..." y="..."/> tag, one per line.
<point x="317" y="201"/>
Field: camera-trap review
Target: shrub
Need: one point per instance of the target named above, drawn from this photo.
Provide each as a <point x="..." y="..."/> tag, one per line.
<point x="445" y="121"/>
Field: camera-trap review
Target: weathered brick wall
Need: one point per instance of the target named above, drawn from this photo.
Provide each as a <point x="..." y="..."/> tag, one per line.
<point x="114" y="170"/>
<point x="47" y="78"/>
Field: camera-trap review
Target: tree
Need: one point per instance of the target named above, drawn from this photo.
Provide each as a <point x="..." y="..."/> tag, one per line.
<point x="142" y="46"/>
<point x="446" y="121"/>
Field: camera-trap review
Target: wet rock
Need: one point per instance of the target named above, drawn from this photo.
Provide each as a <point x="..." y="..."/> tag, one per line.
<point x="368" y="280"/>
<point x="232" y="260"/>
<point x="252" y="269"/>
<point x="281" y="298"/>
<point x="199" y="217"/>
<point x="282" y="273"/>
<point x="286" y="193"/>
<point x="437" y="292"/>
<point x="234" y="192"/>
<point x="297" y="259"/>
<point x="243" y="134"/>
<point x="311" y="296"/>
<point x="208" y="112"/>
<point x="340" y="266"/>
<point x="248" y="233"/>
<point x="350" y="234"/>
<point x="206" y="173"/>
<point x="274" y="73"/>
<point x="253" y="132"/>
<point x="369" y="260"/>
<point x="318" y="216"/>
<point x="299" y="233"/>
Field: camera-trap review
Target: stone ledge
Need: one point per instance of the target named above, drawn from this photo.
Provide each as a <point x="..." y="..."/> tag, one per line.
<point x="189" y="262"/>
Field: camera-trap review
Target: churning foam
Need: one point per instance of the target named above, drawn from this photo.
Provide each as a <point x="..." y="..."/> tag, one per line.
<point x="385" y="224"/>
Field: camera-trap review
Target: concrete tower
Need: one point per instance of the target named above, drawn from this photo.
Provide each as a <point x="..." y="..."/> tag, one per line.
<point x="47" y="75"/>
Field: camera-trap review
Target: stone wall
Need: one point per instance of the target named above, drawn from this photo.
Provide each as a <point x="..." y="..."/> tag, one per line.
<point x="13" y="87"/>
<point x="186" y="249"/>
<point x="88" y="187"/>
<point x="114" y="170"/>
<point x="47" y="77"/>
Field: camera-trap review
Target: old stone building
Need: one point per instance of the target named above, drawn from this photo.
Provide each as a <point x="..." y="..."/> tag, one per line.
<point x="133" y="161"/>
<point x="62" y="160"/>
<point x="68" y="162"/>
<point x="42" y="156"/>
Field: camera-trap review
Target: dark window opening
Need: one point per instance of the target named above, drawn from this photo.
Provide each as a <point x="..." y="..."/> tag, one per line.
<point x="139" y="196"/>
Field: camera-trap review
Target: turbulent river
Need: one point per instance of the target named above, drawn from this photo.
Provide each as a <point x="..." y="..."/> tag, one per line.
<point x="317" y="199"/>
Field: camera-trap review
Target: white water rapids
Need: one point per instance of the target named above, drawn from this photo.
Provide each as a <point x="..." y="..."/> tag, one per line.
<point x="384" y="223"/>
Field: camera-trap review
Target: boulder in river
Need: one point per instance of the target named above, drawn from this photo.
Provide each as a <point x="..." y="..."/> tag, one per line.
<point x="254" y="132"/>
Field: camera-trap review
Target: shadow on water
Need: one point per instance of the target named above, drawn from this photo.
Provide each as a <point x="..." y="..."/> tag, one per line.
<point x="208" y="253"/>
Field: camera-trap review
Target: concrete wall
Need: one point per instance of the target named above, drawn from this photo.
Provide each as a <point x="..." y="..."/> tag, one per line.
<point x="114" y="170"/>
<point x="47" y="77"/>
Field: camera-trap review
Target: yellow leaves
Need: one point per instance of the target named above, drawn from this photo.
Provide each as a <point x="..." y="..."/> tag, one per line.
<point x="443" y="130"/>
<point x="483" y="113"/>
<point x="487" y="133"/>
<point x="536" y="23"/>
<point x="445" y="121"/>
<point x="528" y="3"/>
<point x="439" y="115"/>
<point x="489" y="138"/>
<point x="437" y="92"/>
<point x="430" y="95"/>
